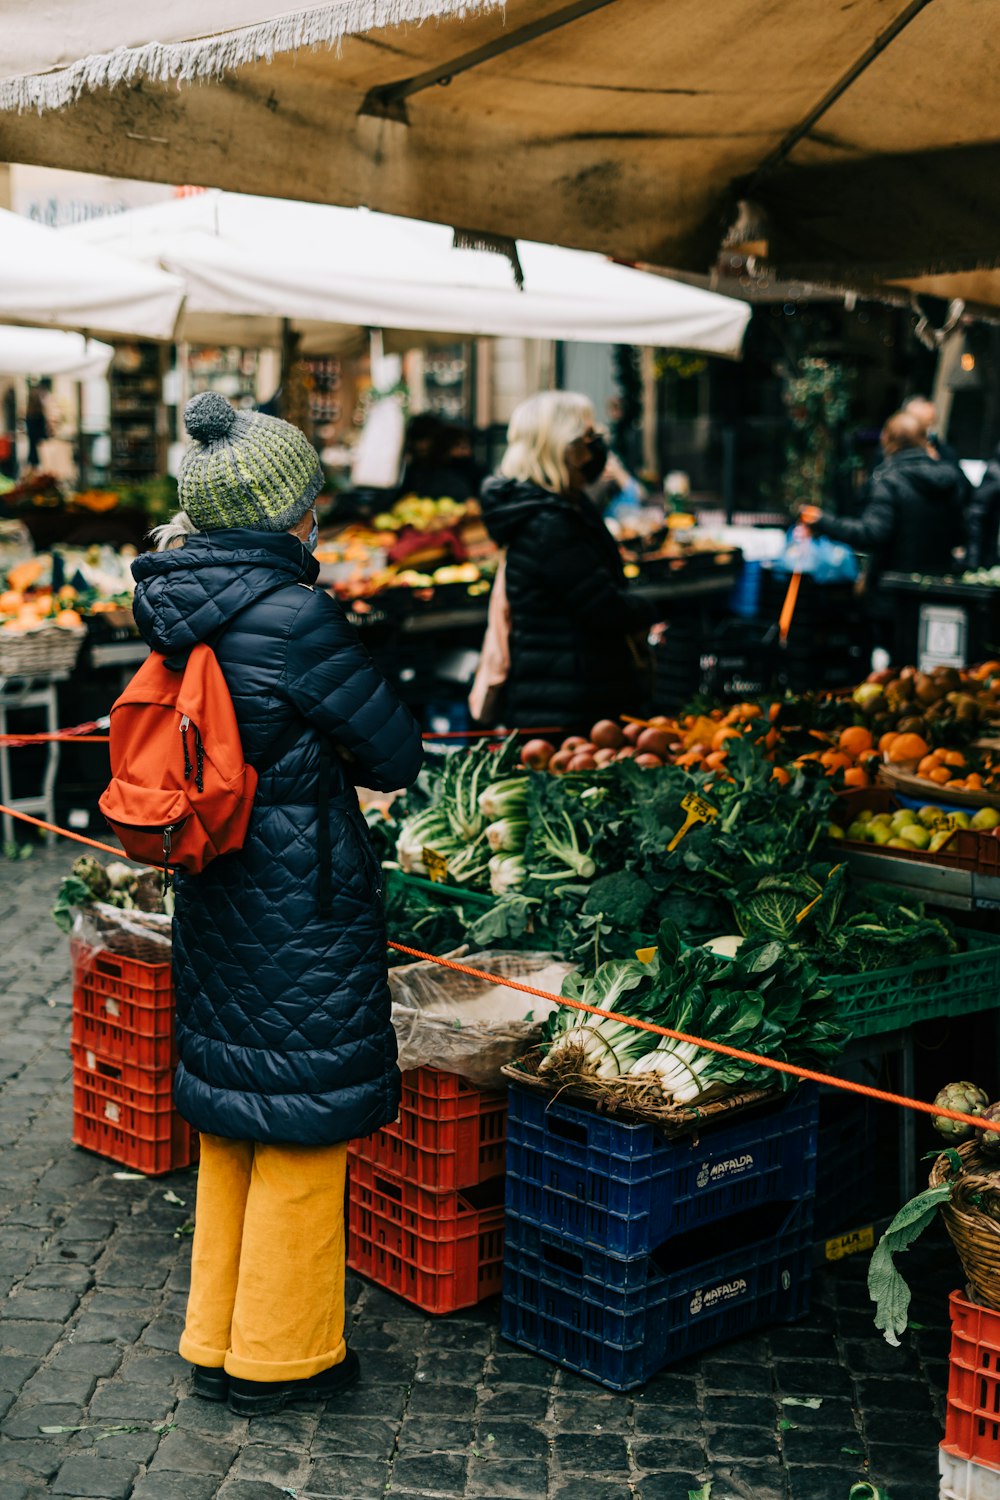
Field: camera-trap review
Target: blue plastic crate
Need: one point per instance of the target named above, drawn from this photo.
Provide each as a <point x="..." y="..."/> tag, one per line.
<point x="625" y="1188"/>
<point x="845" y="1152"/>
<point x="567" y="1303"/>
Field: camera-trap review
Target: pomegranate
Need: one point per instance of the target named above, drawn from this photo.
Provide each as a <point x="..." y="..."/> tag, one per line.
<point x="536" y="754"/>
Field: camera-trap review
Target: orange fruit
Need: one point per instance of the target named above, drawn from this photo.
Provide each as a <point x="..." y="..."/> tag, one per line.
<point x="722" y="735"/>
<point x="940" y="774"/>
<point x="951" y="758"/>
<point x="907" y="747"/>
<point x="855" y="740"/>
<point x="974" y="781"/>
<point x="780" y="775"/>
<point x="887" y="741"/>
<point x="927" y="765"/>
<point x="854" y="776"/>
<point x="835" y="760"/>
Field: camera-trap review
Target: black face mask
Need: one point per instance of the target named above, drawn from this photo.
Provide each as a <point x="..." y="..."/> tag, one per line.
<point x="598" y="451"/>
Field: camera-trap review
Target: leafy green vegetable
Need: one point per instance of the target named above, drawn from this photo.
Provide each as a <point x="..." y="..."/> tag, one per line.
<point x="886" y="1286"/>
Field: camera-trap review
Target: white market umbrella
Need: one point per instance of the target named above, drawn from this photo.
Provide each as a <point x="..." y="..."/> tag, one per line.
<point x="47" y="279"/>
<point x="333" y="271"/>
<point x="49" y="351"/>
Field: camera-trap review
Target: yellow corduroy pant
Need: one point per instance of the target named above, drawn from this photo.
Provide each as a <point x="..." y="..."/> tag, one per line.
<point x="267" y="1262"/>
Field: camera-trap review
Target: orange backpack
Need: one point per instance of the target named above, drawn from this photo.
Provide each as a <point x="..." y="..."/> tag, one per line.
<point x="181" y="792"/>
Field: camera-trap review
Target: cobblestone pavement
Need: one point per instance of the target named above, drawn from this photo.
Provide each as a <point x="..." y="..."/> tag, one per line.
<point x="94" y="1398"/>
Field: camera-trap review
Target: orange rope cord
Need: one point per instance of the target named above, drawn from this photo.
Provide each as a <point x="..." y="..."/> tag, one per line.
<point x="66" y="833"/>
<point x="756" y="1058"/>
<point x="13" y="741"/>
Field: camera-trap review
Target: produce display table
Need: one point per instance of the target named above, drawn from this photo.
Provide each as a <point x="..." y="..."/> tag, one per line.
<point x="17" y="693"/>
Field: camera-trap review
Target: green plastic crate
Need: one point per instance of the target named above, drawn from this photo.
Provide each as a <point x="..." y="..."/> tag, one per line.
<point x="954" y="985"/>
<point x="441" y="889"/>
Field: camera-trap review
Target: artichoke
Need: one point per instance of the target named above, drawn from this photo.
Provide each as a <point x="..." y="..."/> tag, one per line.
<point x="93" y="874"/>
<point x="989" y="1140"/>
<point x="969" y="1100"/>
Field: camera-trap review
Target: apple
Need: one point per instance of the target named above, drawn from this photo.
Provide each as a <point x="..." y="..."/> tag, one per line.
<point x="648" y="761"/>
<point x="653" y="742"/>
<point x="536" y="754"/>
<point x="560" y="762"/>
<point x="631" y="733"/>
<point x="583" y="762"/>
<point x="607" y="735"/>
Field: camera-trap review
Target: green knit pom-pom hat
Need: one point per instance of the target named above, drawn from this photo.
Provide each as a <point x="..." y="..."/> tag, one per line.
<point x="244" y="469"/>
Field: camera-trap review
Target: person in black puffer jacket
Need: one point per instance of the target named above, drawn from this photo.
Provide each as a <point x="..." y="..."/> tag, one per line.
<point x="912" y="520"/>
<point x="283" y="1015"/>
<point x="571" y="617"/>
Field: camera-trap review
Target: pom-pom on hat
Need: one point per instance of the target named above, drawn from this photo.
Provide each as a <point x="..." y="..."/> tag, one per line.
<point x="244" y="469"/>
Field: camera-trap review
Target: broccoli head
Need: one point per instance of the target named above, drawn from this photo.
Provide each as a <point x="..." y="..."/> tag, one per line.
<point x="622" y="898"/>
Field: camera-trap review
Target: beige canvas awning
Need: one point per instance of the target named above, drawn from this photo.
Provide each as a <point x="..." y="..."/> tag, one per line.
<point x="864" y="137"/>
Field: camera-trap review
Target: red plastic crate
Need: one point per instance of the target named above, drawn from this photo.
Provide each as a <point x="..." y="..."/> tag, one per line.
<point x="449" y="1135"/>
<point x="440" y="1251"/>
<point x="119" y="1043"/>
<point x="127" y="1115"/>
<point x="972" y="1426"/>
<point x="135" y="996"/>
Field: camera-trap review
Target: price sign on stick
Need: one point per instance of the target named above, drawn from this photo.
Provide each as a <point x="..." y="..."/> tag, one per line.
<point x="436" y="866"/>
<point x="698" y="811"/>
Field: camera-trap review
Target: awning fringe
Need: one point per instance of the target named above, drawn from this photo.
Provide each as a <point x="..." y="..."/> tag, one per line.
<point x="209" y="57"/>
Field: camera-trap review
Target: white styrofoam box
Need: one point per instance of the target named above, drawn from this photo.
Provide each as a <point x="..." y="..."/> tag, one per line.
<point x="961" y="1479"/>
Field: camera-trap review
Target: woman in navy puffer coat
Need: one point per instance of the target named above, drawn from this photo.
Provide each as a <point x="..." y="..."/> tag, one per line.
<point x="283" y="1015"/>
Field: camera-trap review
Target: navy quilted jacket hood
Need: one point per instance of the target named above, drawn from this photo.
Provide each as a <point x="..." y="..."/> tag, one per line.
<point x="283" y="1016"/>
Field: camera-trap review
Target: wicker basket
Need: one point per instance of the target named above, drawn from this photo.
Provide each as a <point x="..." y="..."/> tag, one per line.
<point x="40" y="653"/>
<point x="974" y="1231"/>
<point x="635" y="1100"/>
<point x="144" y="936"/>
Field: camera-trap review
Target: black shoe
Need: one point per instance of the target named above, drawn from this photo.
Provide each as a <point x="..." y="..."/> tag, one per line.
<point x="259" y="1398"/>
<point x="209" y="1384"/>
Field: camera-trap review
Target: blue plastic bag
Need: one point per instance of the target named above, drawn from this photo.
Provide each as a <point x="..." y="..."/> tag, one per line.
<point x="822" y="559"/>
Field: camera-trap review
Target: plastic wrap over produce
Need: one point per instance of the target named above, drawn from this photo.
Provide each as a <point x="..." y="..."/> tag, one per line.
<point x="101" y="928"/>
<point x="463" y="1025"/>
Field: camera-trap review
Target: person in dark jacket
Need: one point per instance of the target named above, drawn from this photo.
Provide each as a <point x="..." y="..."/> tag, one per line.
<point x="913" y="516"/>
<point x="983" y="518"/>
<point x="283" y="1016"/>
<point x="571" y="618"/>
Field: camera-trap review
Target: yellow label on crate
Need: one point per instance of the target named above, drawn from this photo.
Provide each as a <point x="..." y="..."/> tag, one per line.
<point x="646" y="955"/>
<point x="698" y="811"/>
<point x="852" y="1243"/>
<point x="436" y="866"/>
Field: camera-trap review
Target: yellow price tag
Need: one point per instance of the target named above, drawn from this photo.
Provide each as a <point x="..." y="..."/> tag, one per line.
<point x="436" y="866"/>
<point x="646" y="955"/>
<point x="698" y="811"/>
<point x="801" y="916"/>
